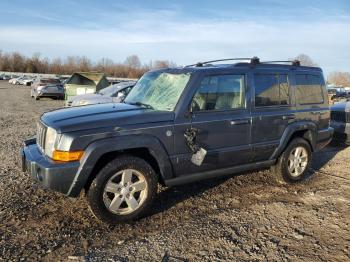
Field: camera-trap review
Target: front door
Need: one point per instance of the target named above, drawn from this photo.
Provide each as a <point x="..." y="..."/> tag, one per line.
<point x="222" y="118"/>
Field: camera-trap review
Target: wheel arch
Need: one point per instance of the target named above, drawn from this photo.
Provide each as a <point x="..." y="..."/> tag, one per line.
<point x="103" y="151"/>
<point x="305" y="129"/>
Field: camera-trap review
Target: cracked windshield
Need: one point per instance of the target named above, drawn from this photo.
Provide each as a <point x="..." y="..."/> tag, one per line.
<point x="158" y="90"/>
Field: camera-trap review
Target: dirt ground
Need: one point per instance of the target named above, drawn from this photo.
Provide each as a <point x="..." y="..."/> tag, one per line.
<point x="246" y="217"/>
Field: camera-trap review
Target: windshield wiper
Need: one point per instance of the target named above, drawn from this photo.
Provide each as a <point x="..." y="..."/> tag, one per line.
<point x="141" y="104"/>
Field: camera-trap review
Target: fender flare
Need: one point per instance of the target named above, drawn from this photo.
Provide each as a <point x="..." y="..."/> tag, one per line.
<point x="100" y="147"/>
<point x="310" y="129"/>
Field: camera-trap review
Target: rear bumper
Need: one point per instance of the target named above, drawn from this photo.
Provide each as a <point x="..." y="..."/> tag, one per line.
<point x="49" y="174"/>
<point x="48" y="94"/>
<point x="324" y="137"/>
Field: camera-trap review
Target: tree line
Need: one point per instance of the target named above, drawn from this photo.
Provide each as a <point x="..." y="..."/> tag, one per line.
<point x="130" y="68"/>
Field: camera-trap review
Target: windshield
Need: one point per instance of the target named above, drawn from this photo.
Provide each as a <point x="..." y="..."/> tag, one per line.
<point x="158" y="90"/>
<point x="108" y="91"/>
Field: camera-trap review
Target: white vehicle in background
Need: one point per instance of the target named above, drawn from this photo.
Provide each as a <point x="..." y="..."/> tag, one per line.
<point x="19" y="80"/>
<point x="28" y="81"/>
<point x="111" y="94"/>
<point x="13" y="80"/>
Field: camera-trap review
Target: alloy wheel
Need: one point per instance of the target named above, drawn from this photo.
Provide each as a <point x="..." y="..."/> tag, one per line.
<point x="125" y="192"/>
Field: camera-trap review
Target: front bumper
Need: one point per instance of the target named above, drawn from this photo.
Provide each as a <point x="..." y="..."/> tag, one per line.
<point x="57" y="176"/>
<point x="341" y="131"/>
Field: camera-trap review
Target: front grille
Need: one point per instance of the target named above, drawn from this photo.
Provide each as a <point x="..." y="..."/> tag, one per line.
<point x="40" y="136"/>
<point x="340" y="116"/>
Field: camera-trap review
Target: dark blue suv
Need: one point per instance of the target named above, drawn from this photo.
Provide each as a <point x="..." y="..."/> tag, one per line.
<point x="180" y="125"/>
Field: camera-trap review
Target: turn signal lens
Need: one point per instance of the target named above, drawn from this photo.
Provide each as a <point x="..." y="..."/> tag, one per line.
<point x="67" y="156"/>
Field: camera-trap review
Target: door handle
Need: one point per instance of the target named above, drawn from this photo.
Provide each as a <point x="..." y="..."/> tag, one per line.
<point x="288" y="117"/>
<point x="240" y="122"/>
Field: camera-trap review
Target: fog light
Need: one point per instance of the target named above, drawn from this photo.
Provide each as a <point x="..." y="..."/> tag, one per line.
<point x="66" y="156"/>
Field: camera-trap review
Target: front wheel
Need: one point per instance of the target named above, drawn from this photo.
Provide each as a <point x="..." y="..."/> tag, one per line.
<point x="123" y="190"/>
<point x="293" y="165"/>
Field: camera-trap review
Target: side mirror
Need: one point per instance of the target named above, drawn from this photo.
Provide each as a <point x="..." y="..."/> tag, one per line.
<point x="189" y="112"/>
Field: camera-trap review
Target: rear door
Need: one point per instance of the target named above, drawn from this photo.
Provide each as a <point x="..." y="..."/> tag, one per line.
<point x="272" y="111"/>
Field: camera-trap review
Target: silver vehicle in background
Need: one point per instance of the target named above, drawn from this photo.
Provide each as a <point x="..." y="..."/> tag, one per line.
<point x="47" y="87"/>
<point x="340" y="121"/>
<point x="114" y="93"/>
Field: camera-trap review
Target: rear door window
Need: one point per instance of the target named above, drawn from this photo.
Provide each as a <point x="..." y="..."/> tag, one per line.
<point x="271" y="90"/>
<point x="309" y="89"/>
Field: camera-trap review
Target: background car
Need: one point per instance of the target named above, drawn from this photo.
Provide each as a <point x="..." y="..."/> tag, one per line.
<point x="341" y="96"/>
<point x="47" y="87"/>
<point x="13" y="79"/>
<point x="27" y="81"/>
<point x="6" y="77"/>
<point x="340" y="121"/>
<point x="114" y="93"/>
<point x="18" y="81"/>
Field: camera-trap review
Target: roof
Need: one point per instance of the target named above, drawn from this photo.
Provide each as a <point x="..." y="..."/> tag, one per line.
<point x="261" y="65"/>
<point x="94" y="76"/>
<point x="218" y="67"/>
<point x="253" y="62"/>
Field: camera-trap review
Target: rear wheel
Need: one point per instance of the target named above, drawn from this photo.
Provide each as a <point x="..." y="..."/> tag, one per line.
<point x="123" y="190"/>
<point x="293" y="165"/>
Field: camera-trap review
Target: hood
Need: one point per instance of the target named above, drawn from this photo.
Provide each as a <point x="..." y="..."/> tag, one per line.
<point x="345" y="106"/>
<point x="101" y="116"/>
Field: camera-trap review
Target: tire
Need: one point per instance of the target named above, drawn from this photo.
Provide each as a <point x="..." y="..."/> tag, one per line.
<point x="36" y="97"/>
<point x="284" y="167"/>
<point x="101" y="197"/>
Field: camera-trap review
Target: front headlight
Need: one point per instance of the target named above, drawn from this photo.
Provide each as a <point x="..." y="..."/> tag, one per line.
<point x="50" y="140"/>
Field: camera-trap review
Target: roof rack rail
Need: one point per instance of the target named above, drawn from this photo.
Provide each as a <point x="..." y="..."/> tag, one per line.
<point x="293" y="62"/>
<point x="253" y="60"/>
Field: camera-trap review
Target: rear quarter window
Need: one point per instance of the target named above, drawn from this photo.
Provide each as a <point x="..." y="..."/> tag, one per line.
<point x="309" y="89"/>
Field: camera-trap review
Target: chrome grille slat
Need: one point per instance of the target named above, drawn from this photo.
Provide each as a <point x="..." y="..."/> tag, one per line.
<point x="41" y="133"/>
<point x="338" y="116"/>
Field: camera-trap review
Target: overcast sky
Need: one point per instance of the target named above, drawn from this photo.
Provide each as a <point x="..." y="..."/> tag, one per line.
<point x="181" y="31"/>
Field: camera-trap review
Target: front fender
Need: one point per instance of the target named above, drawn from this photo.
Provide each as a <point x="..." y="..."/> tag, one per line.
<point x="98" y="148"/>
<point x="310" y="134"/>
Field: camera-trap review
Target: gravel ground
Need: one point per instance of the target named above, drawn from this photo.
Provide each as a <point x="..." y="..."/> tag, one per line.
<point x="246" y="217"/>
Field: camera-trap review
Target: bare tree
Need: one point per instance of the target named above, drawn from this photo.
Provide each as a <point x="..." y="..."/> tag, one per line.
<point x="305" y="60"/>
<point x="133" y="61"/>
<point x="162" y="64"/>
<point x="341" y="79"/>
<point x="84" y="64"/>
<point x="56" y="66"/>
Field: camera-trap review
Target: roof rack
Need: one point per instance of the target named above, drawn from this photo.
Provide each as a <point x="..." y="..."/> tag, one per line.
<point x="253" y="60"/>
<point x="293" y="62"/>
